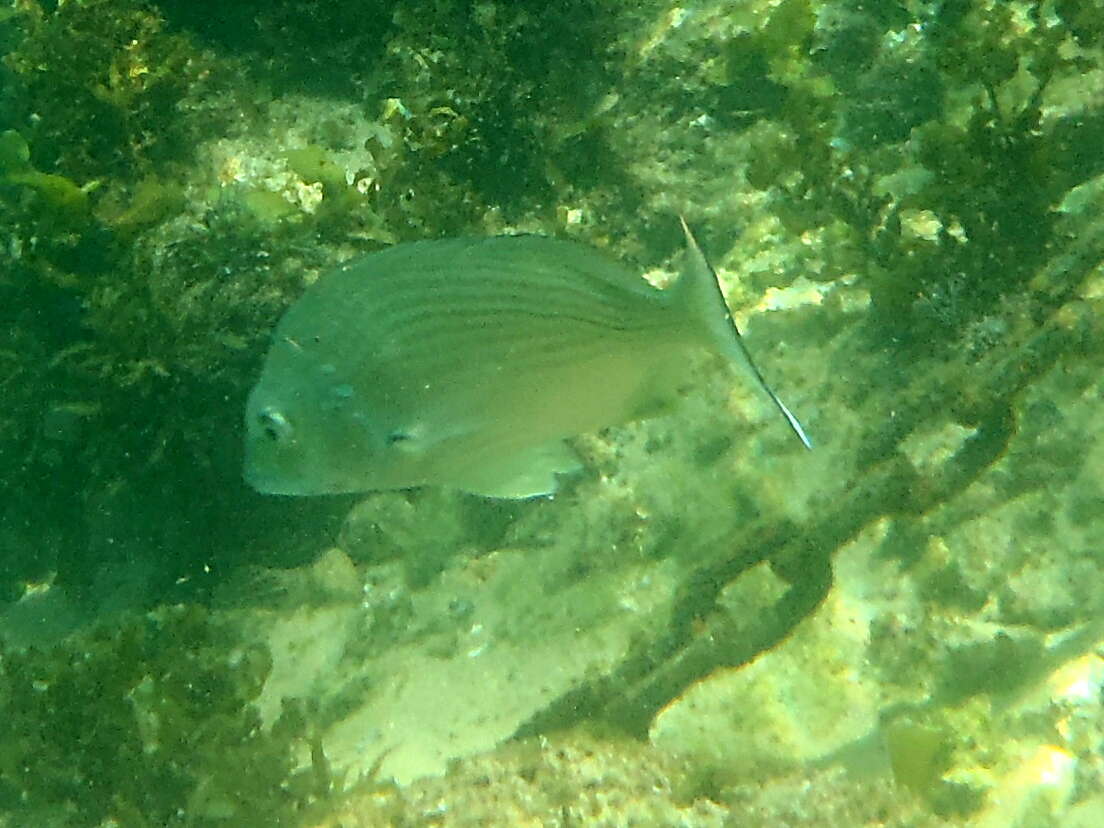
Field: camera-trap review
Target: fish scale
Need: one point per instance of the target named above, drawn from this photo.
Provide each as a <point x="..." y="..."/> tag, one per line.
<point x="465" y="363"/>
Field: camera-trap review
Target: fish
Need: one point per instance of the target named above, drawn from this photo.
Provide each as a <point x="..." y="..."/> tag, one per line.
<point x="466" y="363"/>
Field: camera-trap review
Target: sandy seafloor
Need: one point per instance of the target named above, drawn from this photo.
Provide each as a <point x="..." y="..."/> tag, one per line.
<point x="658" y="643"/>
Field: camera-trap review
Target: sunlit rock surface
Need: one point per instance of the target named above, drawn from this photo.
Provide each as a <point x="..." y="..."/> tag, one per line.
<point x="709" y="625"/>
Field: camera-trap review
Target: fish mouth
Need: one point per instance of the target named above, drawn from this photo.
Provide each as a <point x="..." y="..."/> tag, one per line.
<point x="256" y="481"/>
<point x="261" y="477"/>
<point x="266" y="479"/>
<point x="268" y="485"/>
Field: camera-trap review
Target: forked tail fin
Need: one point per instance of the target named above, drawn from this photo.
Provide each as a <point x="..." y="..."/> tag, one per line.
<point x="700" y="289"/>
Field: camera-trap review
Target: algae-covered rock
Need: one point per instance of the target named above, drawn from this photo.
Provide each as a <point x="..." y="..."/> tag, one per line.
<point x="607" y="781"/>
<point x="901" y="202"/>
<point x="140" y="721"/>
<point x="801" y="703"/>
<point x="506" y="633"/>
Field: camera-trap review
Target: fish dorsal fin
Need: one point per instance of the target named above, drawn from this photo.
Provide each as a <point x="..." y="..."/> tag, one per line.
<point x="526" y="473"/>
<point x="699" y="292"/>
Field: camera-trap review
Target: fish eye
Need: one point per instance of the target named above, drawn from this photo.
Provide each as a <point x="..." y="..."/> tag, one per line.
<point x="274" y="425"/>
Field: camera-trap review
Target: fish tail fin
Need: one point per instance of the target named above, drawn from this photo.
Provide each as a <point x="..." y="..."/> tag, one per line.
<point x="699" y="293"/>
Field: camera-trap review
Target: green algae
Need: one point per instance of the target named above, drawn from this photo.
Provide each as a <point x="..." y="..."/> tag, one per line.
<point x="918" y="756"/>
<point x="920" y="158"/>
<point x="267" y="207"/>
<point x="14" y="153"/>
<point x="171" y="739"/>
<point x="59" y="196"/>
<point x="313" y="165"/>
<point x="152" y="202"/>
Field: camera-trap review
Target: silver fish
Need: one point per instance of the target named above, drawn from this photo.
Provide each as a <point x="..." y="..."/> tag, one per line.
<point x="466" y="362"/>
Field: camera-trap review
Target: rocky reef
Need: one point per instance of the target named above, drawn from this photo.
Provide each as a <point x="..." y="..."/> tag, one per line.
<point x="709" y="625"/>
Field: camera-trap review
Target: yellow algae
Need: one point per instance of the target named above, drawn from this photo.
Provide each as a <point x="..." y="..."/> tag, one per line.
<point x="61" y="195"/>
<point x="918" y="755"/>
<point x="313" y="165"/>
<point x="152" y="200"/>
<point x="267" y="206"/>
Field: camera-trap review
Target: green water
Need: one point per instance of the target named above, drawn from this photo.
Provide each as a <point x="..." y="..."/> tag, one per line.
<point x="709" y="625"/>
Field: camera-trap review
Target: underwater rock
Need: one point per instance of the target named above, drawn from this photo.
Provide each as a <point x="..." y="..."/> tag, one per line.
<point x="793" y="706"/>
